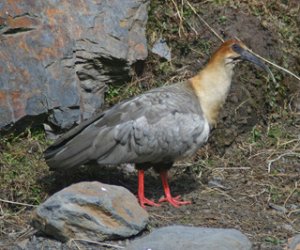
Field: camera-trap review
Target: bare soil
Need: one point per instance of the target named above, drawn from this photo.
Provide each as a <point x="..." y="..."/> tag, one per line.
<point x="247" y="175"/>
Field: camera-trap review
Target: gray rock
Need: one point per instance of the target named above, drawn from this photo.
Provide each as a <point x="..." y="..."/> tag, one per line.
<point x="191" y="238"/>
<point x="59" y="56"/>
<point x="90" y="211"/>
<point x="161" y="48"/>
<point x="294" y="243"/>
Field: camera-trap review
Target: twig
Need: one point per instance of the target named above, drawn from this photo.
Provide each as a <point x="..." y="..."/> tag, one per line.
<point x="275" y="65"/>
<point x="99" y="243"/>
<point x="75" y="243"/>
<point x="267" y="151"/>
<point x="222" y="192"/>
<point x="293" y="211"/>
<point x="180" y="18"/>
<point x="164" y="217"/>
<point x="290" y="175"/>
<point x="233" y="168"/>
<point x="279" y="157"/>
<point x="1" y="211"/>
<point x="288" y="142"/>
<point x="25" y="233"/>
<point x="18" y="203"/>
<point x="240" y="105"/>
<point x="260" y="193"/>
<point x="262" y="58"/>
<point x="195" y="31"/>
<point x="290" y="194"/>
<point x="202" y="20"/>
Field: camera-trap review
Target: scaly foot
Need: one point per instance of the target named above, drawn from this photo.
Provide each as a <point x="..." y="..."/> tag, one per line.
<point x="144" y="201"/>
<point x="174" y="201"/>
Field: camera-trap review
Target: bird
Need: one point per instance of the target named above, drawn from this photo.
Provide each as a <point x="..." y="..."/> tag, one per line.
<point x="156" y="128"/>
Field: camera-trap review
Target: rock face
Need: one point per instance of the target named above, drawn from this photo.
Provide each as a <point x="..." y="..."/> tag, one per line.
<point x="190" y="238"/>
<point x="90" y="211"/>
<point x="58" y="55"/>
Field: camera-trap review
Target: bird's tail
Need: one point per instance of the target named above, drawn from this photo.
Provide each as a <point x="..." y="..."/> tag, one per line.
<point x="73" y="153"/>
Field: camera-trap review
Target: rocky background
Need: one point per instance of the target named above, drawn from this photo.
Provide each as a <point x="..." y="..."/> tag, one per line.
<point x="56" y="57"/>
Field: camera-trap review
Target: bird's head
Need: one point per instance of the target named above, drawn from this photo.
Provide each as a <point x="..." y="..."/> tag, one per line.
<point x="213" y="82"/>
<point x="234" y="51"/>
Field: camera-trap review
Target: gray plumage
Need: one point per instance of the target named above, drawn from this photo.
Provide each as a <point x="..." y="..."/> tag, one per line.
<point x="155" y="128"/>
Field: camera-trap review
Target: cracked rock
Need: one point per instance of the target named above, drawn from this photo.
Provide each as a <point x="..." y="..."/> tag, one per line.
<point x="56" y="59"/>
<point x="90" y="211"/>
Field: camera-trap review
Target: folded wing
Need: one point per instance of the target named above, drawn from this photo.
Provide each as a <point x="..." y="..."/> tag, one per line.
<point x="161" y="125"/>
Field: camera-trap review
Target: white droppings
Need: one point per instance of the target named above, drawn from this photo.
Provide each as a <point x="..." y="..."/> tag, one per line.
<point x="103" y="189"/>
<point x="6" y="12"/>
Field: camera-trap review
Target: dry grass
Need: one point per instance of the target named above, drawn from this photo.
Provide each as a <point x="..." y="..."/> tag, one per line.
<point x="21" y="171"/>
<point x="22" y="167"/>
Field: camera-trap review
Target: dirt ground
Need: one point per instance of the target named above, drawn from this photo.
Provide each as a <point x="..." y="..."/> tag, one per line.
<point x="247" y="175"/>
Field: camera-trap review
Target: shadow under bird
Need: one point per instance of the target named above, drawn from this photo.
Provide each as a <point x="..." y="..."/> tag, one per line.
<point x="156" y="128"/>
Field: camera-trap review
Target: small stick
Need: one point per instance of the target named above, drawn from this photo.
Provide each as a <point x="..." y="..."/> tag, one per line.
<point x="202" y="20"/>
<point x="164" y="217"/>
<point x="18" y="203"/>
<point x="288" y="142"/>
<point x="233" y="168"/>
<point x="275" y="65"/>
<point x="240" y="105"/>
<point x="99" y="243"/>
<point x="290" y="194"/>
<point x="180" y="18"/>
<point x="75" y="243"/>
<point x="279" y="157"/>
<point x="222" y="192"/>
<point x="293" y="211"/>
<point x="1" y="211"/>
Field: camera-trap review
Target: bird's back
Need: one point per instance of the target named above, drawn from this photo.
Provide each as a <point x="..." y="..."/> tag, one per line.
<point x="161" y="125"/>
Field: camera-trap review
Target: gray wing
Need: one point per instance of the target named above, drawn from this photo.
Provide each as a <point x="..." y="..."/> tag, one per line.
<point x="161" y="125"/>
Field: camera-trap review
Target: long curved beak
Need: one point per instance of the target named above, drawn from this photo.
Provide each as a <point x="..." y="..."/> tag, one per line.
<point x="246" y="55"/>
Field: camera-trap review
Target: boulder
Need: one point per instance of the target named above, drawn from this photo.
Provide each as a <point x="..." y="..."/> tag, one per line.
<point x="190" y="238"/>
<point x="58" y="56"/>
<point x="90" y="211"/>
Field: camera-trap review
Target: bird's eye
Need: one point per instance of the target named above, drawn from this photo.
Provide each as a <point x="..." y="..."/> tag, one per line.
<point x="237" y="48"/>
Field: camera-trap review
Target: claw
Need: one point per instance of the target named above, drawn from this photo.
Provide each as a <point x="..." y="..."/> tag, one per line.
<point x="174" y="201"/>
<point x="144" y="201"/>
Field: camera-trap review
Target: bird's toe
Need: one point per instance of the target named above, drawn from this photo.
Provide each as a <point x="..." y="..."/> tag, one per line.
<point x="175" y="201"/>
<point x="145" y="201"/>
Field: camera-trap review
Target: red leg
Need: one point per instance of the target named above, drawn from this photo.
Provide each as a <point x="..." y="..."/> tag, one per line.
<point x="141" y="194"/>
<point x="168" y="197"/>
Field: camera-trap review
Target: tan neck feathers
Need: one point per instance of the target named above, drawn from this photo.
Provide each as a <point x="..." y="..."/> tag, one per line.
<point x="211" y="85"/>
